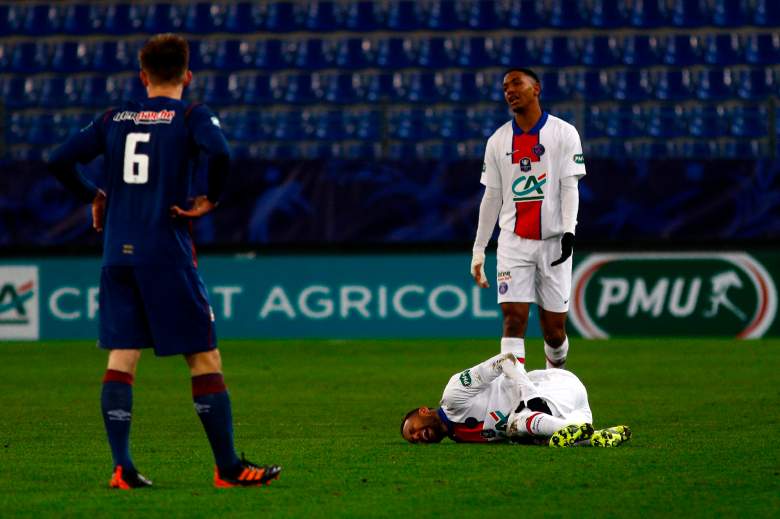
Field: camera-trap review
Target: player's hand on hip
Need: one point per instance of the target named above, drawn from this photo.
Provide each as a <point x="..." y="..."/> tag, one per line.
<point x="99" y="210"/>
<point x="478" y="270"/>
<point x="567" y="247"/>
<point x="200" y="206"/>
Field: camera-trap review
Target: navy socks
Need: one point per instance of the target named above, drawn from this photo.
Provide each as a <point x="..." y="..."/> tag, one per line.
<point x="116" y="402"/>
<point x="212" y="404"/>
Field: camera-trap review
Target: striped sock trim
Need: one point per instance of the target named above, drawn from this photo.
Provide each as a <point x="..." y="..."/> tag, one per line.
<point x="208" y="384"/>
<point x="113" y="375"/>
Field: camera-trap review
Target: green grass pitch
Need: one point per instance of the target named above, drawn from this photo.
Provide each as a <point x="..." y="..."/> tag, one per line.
<point x="704" y="414"/>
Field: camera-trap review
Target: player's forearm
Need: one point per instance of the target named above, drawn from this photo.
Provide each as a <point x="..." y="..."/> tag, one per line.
<point x="489" y="209"/>
<point x="219" y="164"/>
<point x="66" y="172"/>
<point x="570" y="203"/>
<point x="515" y="372"/>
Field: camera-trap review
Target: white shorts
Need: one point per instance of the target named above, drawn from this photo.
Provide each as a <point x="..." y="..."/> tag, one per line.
<point x="564" y="393"/>
<point x="525" y="274"/>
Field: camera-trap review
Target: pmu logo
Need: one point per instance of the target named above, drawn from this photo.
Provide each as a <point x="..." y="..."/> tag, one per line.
<point x="681" y="294"/>
<point x="19" y="303"/>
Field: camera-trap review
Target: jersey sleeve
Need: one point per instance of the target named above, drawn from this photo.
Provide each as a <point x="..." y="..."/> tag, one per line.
<point x="81" y="148"/>
<point x="573" y="159"/>
<point x="208" y="137"/>
<point x="491" y="174"/>
<point x="464" y="386"/>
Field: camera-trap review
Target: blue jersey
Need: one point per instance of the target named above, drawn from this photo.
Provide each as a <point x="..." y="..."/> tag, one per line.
<point x="151" y="149"/>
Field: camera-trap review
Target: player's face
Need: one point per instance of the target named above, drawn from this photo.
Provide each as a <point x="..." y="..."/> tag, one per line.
<point x="520" y="90"/>
<point x="423" y="427"/>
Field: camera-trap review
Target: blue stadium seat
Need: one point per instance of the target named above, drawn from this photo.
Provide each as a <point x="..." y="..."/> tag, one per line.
<point x="215" y="89"/>
<point x="592" y="85"/>
<point x="407" y="124"/>
<point x="452" y="124"/>
<point x="41" y="130"/>
<point x="515" y="51"/>
<point x="114" y="56"/>
<point x="403" y="15"/>
<point x="606" y="14"/>
<point x="29" y="57"/>
<point x="12" y="91"/>
<point x="567" y="14"/>
<point x="763" y="49"/>
<point x="282" y="17"/>
<point x="205" y="18"/>
<point x="525" y="14"/>
<point x="483" y="15"/>
<point x="681" y="50"/>
<point x="287" y="125"/>
<point x="722" y="49"/>
<point x="93" y="91"/>
<point x="554" y="86"/>
<point x="378" y="87"/>
<point x="53" y="92"/>
<point x="672" y="84"/>
<point x="644" y="149"/>
<point x="367" y="124"/>
<point x="6" y="55"/>
<point x="748" y="121"/>
<point x="559" y="51"/>
<point x="363" y="16"/>
<point x="330" y="125"/>
<point x="489" y="85"/>
<point x="600" y="51"/>
<point x="321" y="16"/>
<point x="648" y="13"/>
<point x="728" y="13"/>
<point x="706" y="121"/>
<point x="268" y="55"/>
<point x="393" y="53"/>
<point x="165" y="17"/>
<point x="436" y="52"/>
<point x="471" y="52"/>
<point x="130" y="86"/>
<point x="685" y="13"/>
<point x="203" y="54"/>
<point x="664" y="121"/>
<point x="445" y="15"/>
<point x="257" y="90"/>
<point x="766" y="13"/>
<point x="709" y="84"/>
<point x="459" y="87"/>
<point x="418" y="87"/>
<point x="70" y="56"/>
<point x="5" y="28"/>
<point x="18" y="128"/>
<point x="333" y="87"/>
<point x="355" y="53"/>
<point x="243" y="17"/>
<point x="43" y="19"/>
<point x="233" y="55"/>
<point x="292" y="88"/>
<point x="641" y="50"/>
<point x="754" y="83"/>
<point x="123" y="18"/>
<point x="83" y="18"/>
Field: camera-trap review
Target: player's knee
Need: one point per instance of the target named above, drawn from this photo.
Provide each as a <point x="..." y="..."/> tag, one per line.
<point x="204" y="362"/>
<point x="125" y="361"/>
<point x="514" y="325"/>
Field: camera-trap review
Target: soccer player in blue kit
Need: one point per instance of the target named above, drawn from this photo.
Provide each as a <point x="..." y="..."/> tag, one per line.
<point x="151" y="295"/>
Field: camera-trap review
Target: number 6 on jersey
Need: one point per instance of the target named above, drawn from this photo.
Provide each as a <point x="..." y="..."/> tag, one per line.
<point x="133" y="174"/>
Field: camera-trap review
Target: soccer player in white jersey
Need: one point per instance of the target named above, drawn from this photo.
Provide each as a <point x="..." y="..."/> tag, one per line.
<point x="498" y="401"/>
<point x="531" y="169"/>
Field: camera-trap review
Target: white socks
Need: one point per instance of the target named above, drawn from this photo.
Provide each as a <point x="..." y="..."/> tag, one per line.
<point x="534" y="423"/>
<point x="514" y="346"/>
<point x="556" y="357"/>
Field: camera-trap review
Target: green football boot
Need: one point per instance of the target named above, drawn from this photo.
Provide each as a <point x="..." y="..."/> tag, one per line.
<point x="571" y="434"/>
<point x="611" y="437"/>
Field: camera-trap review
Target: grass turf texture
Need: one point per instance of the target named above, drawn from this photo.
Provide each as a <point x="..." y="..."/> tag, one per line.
<point x="704" y="414"/>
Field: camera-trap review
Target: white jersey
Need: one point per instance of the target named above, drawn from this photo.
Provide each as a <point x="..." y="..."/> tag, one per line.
<point x="477" y="402"/>
<point x="528" y="168"/>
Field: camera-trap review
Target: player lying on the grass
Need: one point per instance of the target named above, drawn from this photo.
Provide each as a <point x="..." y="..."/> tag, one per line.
<point x="151" y="295"/>
<point x="498" y="401"/>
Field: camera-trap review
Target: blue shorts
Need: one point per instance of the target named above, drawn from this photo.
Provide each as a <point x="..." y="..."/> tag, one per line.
<point x="165" y="308"/>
